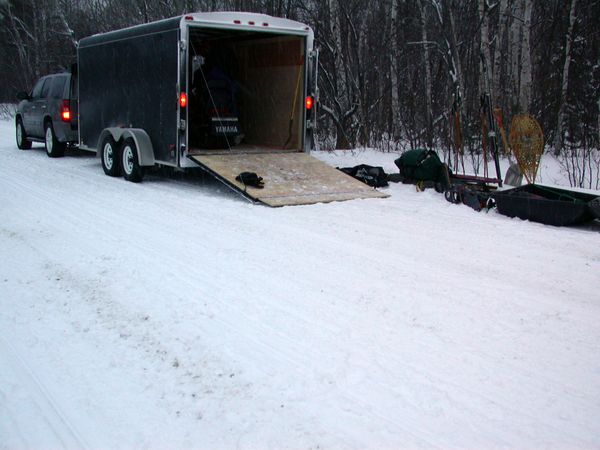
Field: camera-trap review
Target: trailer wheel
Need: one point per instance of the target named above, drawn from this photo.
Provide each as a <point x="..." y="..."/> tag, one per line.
<point x="54" y="148"/>
<point x="22" y="142"/>
<point x="132" y="171"/>
<point x="110" y="157"/>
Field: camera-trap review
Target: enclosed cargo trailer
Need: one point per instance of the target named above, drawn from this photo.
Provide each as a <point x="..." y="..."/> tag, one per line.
<point x="229" y="92"/>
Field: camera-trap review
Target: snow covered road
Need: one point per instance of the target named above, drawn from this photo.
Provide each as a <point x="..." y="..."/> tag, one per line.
<point x="175" y="314"/>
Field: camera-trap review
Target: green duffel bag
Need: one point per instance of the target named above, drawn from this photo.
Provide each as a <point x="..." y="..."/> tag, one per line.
<point x="420" y="165"/>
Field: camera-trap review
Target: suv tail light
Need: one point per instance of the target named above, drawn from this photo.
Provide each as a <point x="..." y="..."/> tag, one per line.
<point x="65" y="111"/>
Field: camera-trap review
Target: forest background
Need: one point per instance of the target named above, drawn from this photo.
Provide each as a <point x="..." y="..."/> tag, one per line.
<point x="394" y="74"/>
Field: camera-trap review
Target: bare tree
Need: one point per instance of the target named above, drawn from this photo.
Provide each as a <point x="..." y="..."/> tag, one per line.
<point x="525" y="80"/>
<point x="394" y="69"/>
<point x="499" y="53"/>
<point x="428" y="122"/>
<point x="484" y="19"/>
<point x="389" y="69"/>
<point x="558" y="136"/>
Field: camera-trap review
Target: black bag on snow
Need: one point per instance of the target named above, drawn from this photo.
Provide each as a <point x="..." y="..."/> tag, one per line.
<point x="373" y="176"/>
<point x="420" y="165"/>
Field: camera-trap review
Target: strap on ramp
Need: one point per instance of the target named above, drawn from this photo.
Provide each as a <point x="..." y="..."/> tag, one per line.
<point x="289" y="178"/>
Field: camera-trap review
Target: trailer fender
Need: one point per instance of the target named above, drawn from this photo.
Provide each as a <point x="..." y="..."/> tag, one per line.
<point x="140" y="137"/>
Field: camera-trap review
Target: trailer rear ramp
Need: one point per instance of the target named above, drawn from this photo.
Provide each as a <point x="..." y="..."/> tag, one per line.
<point x="289" y="178"/>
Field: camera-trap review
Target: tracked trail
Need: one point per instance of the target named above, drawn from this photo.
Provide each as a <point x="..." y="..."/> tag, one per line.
<point x="213" y="323"/>
<point x="23" y="389"/>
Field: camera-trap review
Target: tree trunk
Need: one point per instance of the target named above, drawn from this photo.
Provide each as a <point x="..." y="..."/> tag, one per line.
<point x="453" y="62"/>
<point x="455" y="56"/>
<point x="485" y="39"/>
<point x="428" y="107"/>
<point x="339" y="79"/>
<point x="558" y="136"/>
<point x="499" y="53"/>
<point x="525" y="80"/>
<point x="341" y="141"/>
<point x="360" y="59"/>
<point x="394" y="70"/>
<point x="334" y="29"/>
<point x="514" y="48"/>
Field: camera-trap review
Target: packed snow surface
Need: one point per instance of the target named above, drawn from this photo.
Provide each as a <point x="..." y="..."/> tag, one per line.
<point x="175" y="314"/>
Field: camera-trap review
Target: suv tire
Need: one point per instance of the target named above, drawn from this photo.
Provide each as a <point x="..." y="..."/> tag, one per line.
<point x="22" y="142"/>
<point x="54" y="148"/>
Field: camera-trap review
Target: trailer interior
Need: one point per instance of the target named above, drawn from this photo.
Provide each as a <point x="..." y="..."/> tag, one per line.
<point x="246" y="91"/>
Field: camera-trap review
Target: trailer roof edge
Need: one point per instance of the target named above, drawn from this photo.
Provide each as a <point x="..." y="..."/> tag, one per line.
<point x="158" y="26"/>
<point x="229" y="19"/>
<point x="246" y="20"/>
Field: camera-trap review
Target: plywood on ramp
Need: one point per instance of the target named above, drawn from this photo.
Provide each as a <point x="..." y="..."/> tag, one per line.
<point x="289" y="178"/>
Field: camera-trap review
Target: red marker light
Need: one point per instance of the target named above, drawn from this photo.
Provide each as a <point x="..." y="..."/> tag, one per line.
<point x="251" y="22"/>
<point x="189" y="17"/>
<point x="237" y="22"/>
<point x="65" y="111"/>
<point x="309" y="102"/>
<point x="183" y="99"/>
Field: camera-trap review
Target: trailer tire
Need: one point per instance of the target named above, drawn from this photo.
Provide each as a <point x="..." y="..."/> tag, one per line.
<point x="132" y="171"/>
<point x="22" y="142"/>
<point x="109" y="154"/>
<point x="54" y="148"/>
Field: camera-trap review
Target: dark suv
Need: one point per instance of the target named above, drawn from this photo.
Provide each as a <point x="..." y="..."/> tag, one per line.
<point x="48" y="114"/>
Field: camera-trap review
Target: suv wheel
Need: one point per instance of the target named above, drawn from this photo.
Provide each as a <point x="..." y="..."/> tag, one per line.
<point x="54" y="148"/>
<point x="21" y="136"/>
<point x="132" y="171"/>
<point x="110" y="157"/>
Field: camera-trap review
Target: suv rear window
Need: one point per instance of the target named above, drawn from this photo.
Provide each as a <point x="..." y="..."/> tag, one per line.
<point x="58" y="87"/>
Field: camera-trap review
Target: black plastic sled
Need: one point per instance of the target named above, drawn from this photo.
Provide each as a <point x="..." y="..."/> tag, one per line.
<point x="547" y="205"/>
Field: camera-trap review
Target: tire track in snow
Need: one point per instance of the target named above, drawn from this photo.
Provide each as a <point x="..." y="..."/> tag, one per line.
<point x="57" y="421"/>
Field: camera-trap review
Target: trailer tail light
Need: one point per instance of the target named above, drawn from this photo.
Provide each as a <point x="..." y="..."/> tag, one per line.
<point x="189" y="17"/>
<point x="183" y="100"/>
<point x="309" y="102"/>
<point x="65" y="111"/>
